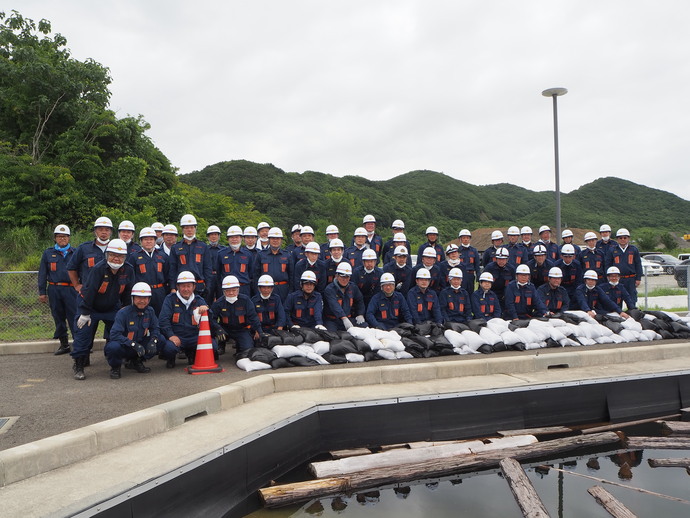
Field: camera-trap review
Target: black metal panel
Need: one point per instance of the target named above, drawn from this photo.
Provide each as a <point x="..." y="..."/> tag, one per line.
<point x="684" y="385"/>
<point x="563" y="406"/>
<point x="643" y="398"/>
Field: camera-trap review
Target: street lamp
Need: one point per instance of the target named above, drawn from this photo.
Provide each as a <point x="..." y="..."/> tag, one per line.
<point x="554" y="93"/>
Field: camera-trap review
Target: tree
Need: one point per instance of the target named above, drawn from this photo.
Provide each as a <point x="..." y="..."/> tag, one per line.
<point x="647" y="240"/>
<point x="668" y="241"/>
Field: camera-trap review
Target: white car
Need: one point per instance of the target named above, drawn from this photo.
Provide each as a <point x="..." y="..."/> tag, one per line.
<point x="650" y="268"/>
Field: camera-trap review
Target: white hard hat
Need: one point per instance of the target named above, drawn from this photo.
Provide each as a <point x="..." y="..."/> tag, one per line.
<point x="332" y="229"/>
<point x="526" y="230"/>
<point x="117" y="246"/>
<point x="103" y="222"/>
<point x="522" y="268"/>
<point x="451" y="248"/>
<point x="296" y="228"/>
<point x="308" y="276"/>
<point x="387" y="278"/>
<point x="275" y="232"/>
<point x="431" y="230"/>
<point x="455" y="273"/>
<point x="141" y="289"/>
<point x="126" y="225"/>
<point x="486" y="276"/>
<point x="496" y="234"/>
<point x="567" y="250"/>
<point x="313" y="247"/>
<point x="186" y="277"/>
<point x="369" y="254"/>
<point x="157" y="226"/>
<point x="187" y="219"/>
<point x="613" y="269"/>
<point x="622" y="232"/>
<point x="147" y="232"/>
<point x="230" y="282"/>
<point x="398" y="223"/>
<point x="399" y="237"/>
<point x="266" y="280"/>
<point x="590" y="235"/>
<point x="513" y="231"/>
<point x="605" y="228"/>
<point x="368" y="219"/>
<point x="539" y="250"/>
<point x="263" y="224"/>
<point x="465" y="232"/>
<point x="429" y="252"/>
<point x="502" y="253"/>
<point x="344" y="268"/>
<point x="423" y="273"/>
<point x="591" y="274"/>
<point x="556" y="272"/>
<point x="62" y="229"/>
<point x="213" y="229"/>
<point x="336" y="243"/>
<point x="567" y="233"/>
<point x="250" y="231"/>
<point x="361" y="231"/>
<point x="544" y="228"/>
<point x="400" y="250"/>
<point x="234" y="230"/>
<point x="170" y="229"/>
<point x="306" y="229"/>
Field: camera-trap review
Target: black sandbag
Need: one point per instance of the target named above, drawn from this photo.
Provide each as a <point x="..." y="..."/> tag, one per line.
<point x="666" y="335"/>
<point x="430" y="353"/>
<point x="677" y="327"/>
<point x="422" y="340"/>
<point x="416" y="353"/>
<point x="457" y="327"/>
<point x="411" y="344"/>
<point x="326" y="335"/>
<point x="572" y="319"/>
<point x="406" y="325"/>
<point x="658" y="314"/>
<point x="309" y="334"/>
<point x="550" y="342"/>
<point x="614" y="326"/>
<point x="485" y="349"/>
<point x="445" y="352"/>
<point x="636" y="314"/>
<point x="261" y="354"/>
<point x="361" y="345"/>
<point x="343" y="347"/>
<point x="280" y="363"/>
<point x="344" y="335"/>
<point x="613" y="318"/>
<point x="650" y="325"/>
<point x="519" y="346"/>
<point x="240" y="355"/>
<point x="302" y="361"/>
<point x="424" y="328"/>
<point x="476" y="324"/>
<point x="290" y="338"/>
<point x="403" y="332"/>
<point x="334" y="359"/>
<point x="436" y="330"/>
<point x="517" y="324"/>
<point x="371" y="356"/>
<point x="663" y="324"/>
<point x="270" y="342"/>
<point x="442" y="341"/>
<point x="498" y="347"/>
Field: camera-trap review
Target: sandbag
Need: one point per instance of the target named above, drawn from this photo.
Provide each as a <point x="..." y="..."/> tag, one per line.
<point x="476" y="324"/>
<point x="534" y="345"/>
<point x="354" y="358"/>
<point x="247" y="365"/>
<point x="321" y="347"/>
<point x="527" y="336"/>
<point x="455" y="338"/>
<point x="287" y="351"/>
<point x="424" y="328"/>
<point x="302" y="361"/>
<point x="280" y="363"/>
<point x="556" y="334"/>
<point x="423" y="340"/>
<point x="629" y="335"/>
<point x="403" y="355"/>
<point x="519" y="346"/>
<point x="616" y="327"/>
<point x="441" y="341"/>
<point x="317" y="358"/>
<point x="632" y="325"/>
<point x="489" y="336"/>
<point x="499" y="347"/>
<point x="518" y="324"/>
<point x="386" y="354"/>
<point x="343" y="347"/>
<point x="334" y="359"/>
<point x="510" y="338"/>
<point x="497" y="325"/>
<point x="604" y="339"/>
<point x="392" y="345"/>
<point x="485" y="349"/>
<point x="261" y="354"/>
<point x="457" y="327"/>
<point x="474" y="341"/>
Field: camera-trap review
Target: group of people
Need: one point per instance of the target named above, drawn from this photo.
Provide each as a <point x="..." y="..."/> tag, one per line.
<point x="151" y="295"/>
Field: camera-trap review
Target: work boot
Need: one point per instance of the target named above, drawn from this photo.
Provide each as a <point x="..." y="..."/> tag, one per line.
<point x="181" y="355"/>
<point x="138" y="365"/>
<point x="221" y="348"/>
<point x="190" y="359"/>
<point x="78" y="369"/>
<point x="115" y="373"/>
<point x="170" y="364"/>
<point x="87" y="360"/>
<point x="64" y="346"/>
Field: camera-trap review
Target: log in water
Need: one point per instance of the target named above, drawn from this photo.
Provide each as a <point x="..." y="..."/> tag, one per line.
<point x="609" y="502"/>
<point x="525" y="495"/>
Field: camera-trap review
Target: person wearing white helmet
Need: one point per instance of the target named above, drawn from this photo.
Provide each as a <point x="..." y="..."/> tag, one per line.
<point x="332" y="232"/>
<point x="540" y="265"/>
<point x="605" y="242"/>
<point x="250" y="236"/>
<point x="125" y="231"/>
<point x="398" y="239"/>
<point x="503" y="272"/>
<point x="422" y="300"/>
<point x="190" y="255"/>
<point x="214" y="249"/>
<point x="616" y="291"/>
<point x="180" y="317"/>
<point x="233" y="316"/>
<point x="353" y="253"/>
<point x="519" y="254"/>
<point x="135" y="335"/>
<point x="88" y="254"/>
<point x="296" y="236"/>
<point x="572" y="270"/>
<point x="591" y="257"/>
<point x="526" y="235"/>
<point x="151" y="266"/>
<point x="304" y="307"/>
<point x="55" y="286"/>
<point x="567" y="236"/>
<point x="432" y="242"/>
<point x="522" y="299"/>
<point x="311" y="262"/>
<point x="490" y="252"/>
<point x="263" y="229"/>
<point x="105" y="291"/>
<point x="343" y="304"/>
<point x="269" y="308"/>
<point x="374" y="241"/>
<point x="336" y="248"/>
<point x="452" y="261"/>
<point x="306" y="236"/>
<point x="236" y="260"/>
<point x="275" y="262"/>
<point x="627" y="258"/>
<point x="427" y="261"/>
<point x="470" y="259"/>
<point x="169" y="238"/>
<point x="158" y="228"/>
<point x="388" y="308"/>
<point x="400" y="268"/>
<point x="552" y="250"/>
<point x="456" y="304"/>
<point x="368" y="276"/>
<point x="485" y="303"/>
<point x="591" y="298"/>
<point x="555" y="297"/>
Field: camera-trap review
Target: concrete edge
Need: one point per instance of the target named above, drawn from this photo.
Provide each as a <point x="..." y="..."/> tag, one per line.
<point x="44" y="346"/>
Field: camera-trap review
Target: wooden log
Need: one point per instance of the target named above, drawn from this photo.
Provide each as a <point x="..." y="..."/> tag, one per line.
<point x="548" y="430"/>
<point x="355" y="452"/>
<point x="669" y="463"/>
<point x="658" y="443"/>
<point x="277" y="496"/>
<point x="448" y="466"/>
<point x="609" y="502"/>
<point x="618" y="426"/>
<point x="525" y="495"/>
<point x="676" y="427"/>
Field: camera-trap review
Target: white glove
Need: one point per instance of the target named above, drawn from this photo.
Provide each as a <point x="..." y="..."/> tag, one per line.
<point x="346" y="323"/>
<point x="398" y="286"/>
<point x="197" y="315"/>
<point x="360" y="319"/>
<point x="295" y="327"/>
<point x="320" y="327"/>
<point x="83" y="320"/>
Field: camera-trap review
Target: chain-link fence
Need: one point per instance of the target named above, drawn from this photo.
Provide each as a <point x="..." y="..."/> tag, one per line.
<point x="22" y="316"/>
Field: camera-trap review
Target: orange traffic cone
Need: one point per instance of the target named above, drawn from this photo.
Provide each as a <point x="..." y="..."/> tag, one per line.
<point x="204" y="362"/>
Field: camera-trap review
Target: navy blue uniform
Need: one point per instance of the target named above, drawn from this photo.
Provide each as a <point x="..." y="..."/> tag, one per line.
<point x="595" y="300"/>
<point x="555" y="300"/>
<point x="435" y="272"/>
<point x="239" y="320"/>
<point x="212" y="284"/>
<point x="572" y="276"/>
<point x="518" y="254"/>
<point x="404" y="278"/>
<point x="424" y="306"/>
<point x="374" y="243"/>
<point x="304" y="310"/>
<point x="240" y="264"/>
<point x="154" y="270"/>
<point x="445" y="268"/>
<point x="440" y="254"/>
<point x="85" y="257"/>
<point x="389" y="248"/>
<point x="178" y="320"/>
<point x="553" y="252"/>
<point x="592" y="260"/>
<point x="354" y="255"/>
<point x="319" y="269"/>
<point x="61" y="295"/>
<point x="368" y="283"/>
<point x="331" y="267"/>
<point x="339" y="302"/>
<point x="629" y="263"/>
<point x="489" y="255"/>
<point x="523" y="302"/>
<point x="618" y="294"/>
<point x="540" y="274"/>
<point x="469" y="258"/>
<point x="279" y="266"/>
<point x="605" y="246"/>
<point x="270" y="311"/>
<point x="190" y="256"/>
<point x="485" y="305"/>
<point x="502" y="277"/>
<point x="456" y="305"/>
<point x="388" y="312"/>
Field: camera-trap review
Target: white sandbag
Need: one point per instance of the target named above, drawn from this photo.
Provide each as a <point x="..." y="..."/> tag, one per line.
<point x="373" y="343"/>
<point x="360" y="332"/>
<point x="632" y="324"/>
<point x="380" y="334"/>
<point x="392" y="345"/>
<point x="467" y="350"/>
<point x="641" y="337"/>
<point x="305" y="348"/>
<point x="527" y="335"/>
<point x="617" y="339"/>
<point x="510" y="338"/>
<point x="455" y="338"/>
<point x="403" y="355"/>
<point x="317" y="358"/>
<point x="248" y="365"/>
<point x="649" y="317"/>
<point x="604" y="331"/>
<point x="604" y="340"/>
<point x="556" y="334"/>
<point x="321" y="347"/>
<point x="497" y="325"/>
<point x="489" y="336"/>
<point x="569" y="342"/>
<point x="534" y="345"/>
<point x="354" y="358"/>
<point x="386" y="354"/>
<point x="557" y="322"/>
<point x="629" y="335"/>
<point x="585" y="341"/>
<point x="287" y="351"/>
<point x="587" y="330"/>
<point x="542" y="332"/>
<point x="573" y="330"/>
<point x="474" y="341"/>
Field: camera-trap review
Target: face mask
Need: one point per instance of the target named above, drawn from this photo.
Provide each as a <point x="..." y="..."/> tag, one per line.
<point x="453" y="262"/>
<point x="311" y="263"/>
<point x="102" y="242"/>
<point x="614" y="283"/>
<point x="127" y="241"/>
<point x="231" y="300"/>
<point x="590" y="287"/>
<point x="234" y="248"/>
<point x="368" y="271"/>
<point x="606" y="238"/>
<point x="466" y="246"/>
<point x="190" y="238"/>
<point x="522" y="284"/>
<point x="265" y="297"/>
<point x="115" y="266"/>
<point x="159" y="241"/>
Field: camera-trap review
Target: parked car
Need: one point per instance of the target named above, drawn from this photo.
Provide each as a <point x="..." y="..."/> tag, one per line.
<point x="650" y="268"/>
<point x="683" y="257"/>
<point x="681" y="273"/>
<point x="667" y="262"/>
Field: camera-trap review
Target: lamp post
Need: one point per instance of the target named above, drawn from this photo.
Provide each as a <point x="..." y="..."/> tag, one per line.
<point x="554" y="93"/>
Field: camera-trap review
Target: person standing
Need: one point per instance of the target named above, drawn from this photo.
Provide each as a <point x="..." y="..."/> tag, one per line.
<point x="626" y="258"/>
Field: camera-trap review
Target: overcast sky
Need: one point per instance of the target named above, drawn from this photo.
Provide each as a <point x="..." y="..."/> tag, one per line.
<point x="379" y="88"/>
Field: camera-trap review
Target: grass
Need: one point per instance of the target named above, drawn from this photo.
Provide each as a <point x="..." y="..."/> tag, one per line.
<point x="663" y="292"/>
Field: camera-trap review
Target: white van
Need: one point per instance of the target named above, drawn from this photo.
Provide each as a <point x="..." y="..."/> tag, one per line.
<point x="683" y="257"/>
